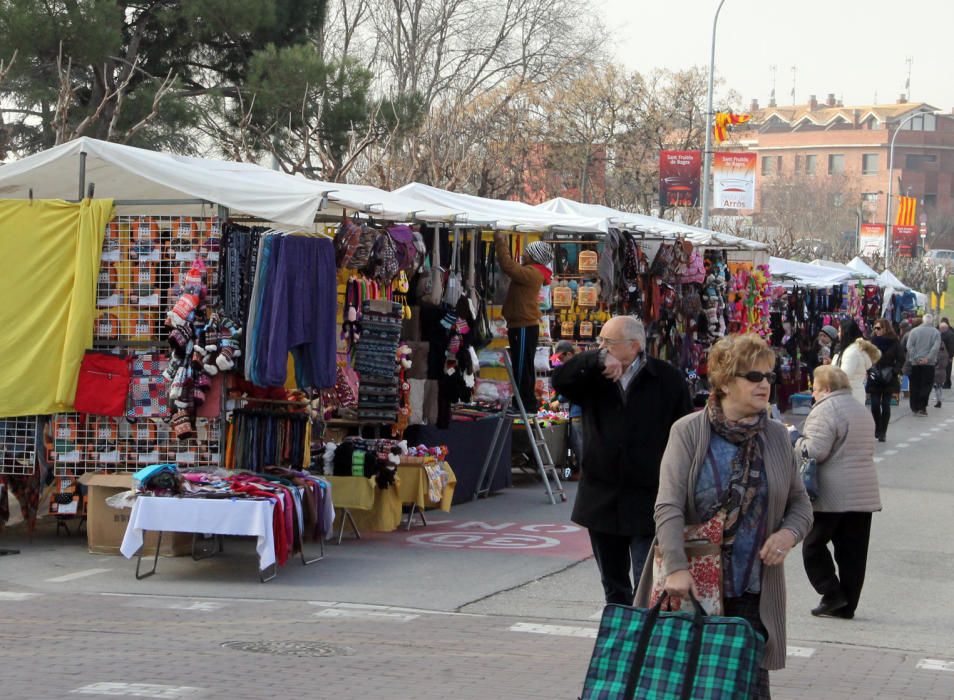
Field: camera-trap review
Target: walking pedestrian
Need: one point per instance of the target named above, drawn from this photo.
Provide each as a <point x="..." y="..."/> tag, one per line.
<point x="921" y="346"/>
<point x="947" y="337"/>
<point x="521" y="310"/>
<point x="732" y="457"/>
<point x="940" y="371"/>
<point x="562" y="352"/>
<point x="838" y="435"/>
<point x="855" y="356"/>
<point x="629" y="402"/>
<point x="884" y="378"/>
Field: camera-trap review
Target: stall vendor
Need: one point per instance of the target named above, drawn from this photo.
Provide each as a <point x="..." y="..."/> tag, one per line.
<point x="521" y="310"/>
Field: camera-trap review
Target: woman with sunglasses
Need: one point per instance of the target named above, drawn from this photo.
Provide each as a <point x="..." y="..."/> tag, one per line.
<point x="838" y="435"/>
<point x="884" y="377"/>
<point x="732" y="459"/>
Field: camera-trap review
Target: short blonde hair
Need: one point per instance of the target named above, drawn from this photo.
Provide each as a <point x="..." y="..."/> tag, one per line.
<point x="735" y="354"/>
<point x="831" y="378"/>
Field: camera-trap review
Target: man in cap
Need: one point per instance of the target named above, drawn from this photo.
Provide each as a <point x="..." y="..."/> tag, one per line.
<point x="521" y="310"/>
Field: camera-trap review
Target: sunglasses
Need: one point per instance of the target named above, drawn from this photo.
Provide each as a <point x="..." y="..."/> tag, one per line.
<point x="756" y="377"/>
<point x="878" y="328"/>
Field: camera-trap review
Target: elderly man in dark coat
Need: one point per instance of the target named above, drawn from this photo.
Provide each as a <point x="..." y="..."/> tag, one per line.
<point x="629" y="402"/>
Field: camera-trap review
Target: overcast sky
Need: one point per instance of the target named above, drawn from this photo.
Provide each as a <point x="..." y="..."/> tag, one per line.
<point x="853" y="48"/>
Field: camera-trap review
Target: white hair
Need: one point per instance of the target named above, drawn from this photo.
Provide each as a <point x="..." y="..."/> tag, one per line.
<point x="927" y="320"/>
<point x="632" y="329"/>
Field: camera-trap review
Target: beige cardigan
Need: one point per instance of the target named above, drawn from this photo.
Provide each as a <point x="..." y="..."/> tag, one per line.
<point x="788" y="507"/>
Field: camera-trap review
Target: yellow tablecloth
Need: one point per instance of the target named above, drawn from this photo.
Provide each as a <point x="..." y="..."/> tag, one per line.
<point x="372" y="509"/>
<point x="412" y="487"/>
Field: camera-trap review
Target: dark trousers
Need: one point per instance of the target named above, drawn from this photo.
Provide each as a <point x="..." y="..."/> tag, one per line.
<point x="881" y="410"/>
<point x="947" y="374"/>
<point x="746" y="606"/>
<point x="616" y="556"/>
<point x="523" y="347"/>
<point x="848" y="533"/>
<point x="922" y="379"/>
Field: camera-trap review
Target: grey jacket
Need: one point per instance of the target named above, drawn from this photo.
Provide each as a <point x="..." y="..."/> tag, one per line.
<point x="788" y="507"/>
<point x="922" y="342"/>
<point x="839" y="434"/>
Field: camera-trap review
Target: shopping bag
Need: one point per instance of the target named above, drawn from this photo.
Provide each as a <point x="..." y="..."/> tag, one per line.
<point x="703" y="546"/>
<point x="102" y="384"/>
<point x="649" y="653"/>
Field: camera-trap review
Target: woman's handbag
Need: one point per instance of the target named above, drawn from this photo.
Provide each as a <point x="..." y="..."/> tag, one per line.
<point x="436" y="292"/>
<point x="453" y="290"/>
<point x="704" y="553"/>
<point x="649" y="653"/>
<point x="102" y="385"/>
<point x="881" y="376"/>
<point x="808" y="468"/>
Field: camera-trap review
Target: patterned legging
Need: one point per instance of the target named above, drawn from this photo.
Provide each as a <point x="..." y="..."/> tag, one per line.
<point x="746" y="606"/>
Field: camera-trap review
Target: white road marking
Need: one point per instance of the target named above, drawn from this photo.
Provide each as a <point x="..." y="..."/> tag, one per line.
<point x="16" y="595"/>
<point x="934" y="430"/>
<point x="558" y="630"/>
<point x="78" y="574"/>
<point x="388" y="608"/>
<point x="903" y="444"/>
<point x="878" y="460"/>
<point x="177" y="604"/>
<point x="924" y="435"/>
<point x="141" y="690"/>
<point x="890" y="452"/>
<point x="935" y="665"/>
<point x="914" y="439"/>
<point x="803" y="652"/>
<point x="376" y="615"/>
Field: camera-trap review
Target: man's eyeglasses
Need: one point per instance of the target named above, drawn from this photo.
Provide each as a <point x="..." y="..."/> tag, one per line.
<point x="612" y="341"/>
<point x="756" y="377"/>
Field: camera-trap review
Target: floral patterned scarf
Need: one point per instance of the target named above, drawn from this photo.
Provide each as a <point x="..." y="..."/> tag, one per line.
<point x="747" y="466"/>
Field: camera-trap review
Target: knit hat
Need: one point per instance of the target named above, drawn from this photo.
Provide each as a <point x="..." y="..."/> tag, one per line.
<point x="830" y="331"/>
<point x="563" y="346"/>
<point x="539" y="252"/>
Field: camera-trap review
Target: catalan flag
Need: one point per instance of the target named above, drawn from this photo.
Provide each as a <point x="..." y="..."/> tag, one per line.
<point x="723" y="120"/>
<point x="906" y="211"/>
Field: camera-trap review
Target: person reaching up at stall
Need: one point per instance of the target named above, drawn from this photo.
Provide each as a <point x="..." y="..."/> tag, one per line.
<point x="521" y="310"/>
<point x="855" y="357"/>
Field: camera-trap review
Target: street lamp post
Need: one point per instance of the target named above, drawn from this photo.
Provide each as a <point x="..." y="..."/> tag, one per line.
<point x="887" y="216"/>
<point x="707" y="156"/>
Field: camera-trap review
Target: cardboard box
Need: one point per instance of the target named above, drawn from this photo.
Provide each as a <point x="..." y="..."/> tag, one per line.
<point x="106" y="526"/>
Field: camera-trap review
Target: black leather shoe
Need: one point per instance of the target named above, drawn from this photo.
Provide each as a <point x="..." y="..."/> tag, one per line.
<point x="881" y="438"/>
<point x="829" y="608"/>
<point x="845" y="614"/>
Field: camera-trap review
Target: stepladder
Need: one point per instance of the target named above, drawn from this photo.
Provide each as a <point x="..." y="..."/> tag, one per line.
<point x="539" y="448"/>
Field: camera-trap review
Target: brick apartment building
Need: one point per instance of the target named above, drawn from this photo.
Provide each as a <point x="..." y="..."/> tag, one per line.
<point x="831" y="140"/>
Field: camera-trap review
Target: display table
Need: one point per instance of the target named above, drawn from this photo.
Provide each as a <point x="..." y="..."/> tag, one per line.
<point x="364" y="505"/>
<point x="413" y="490"/>
<point x="467" y="443"/>
<point x="240" y="516"/>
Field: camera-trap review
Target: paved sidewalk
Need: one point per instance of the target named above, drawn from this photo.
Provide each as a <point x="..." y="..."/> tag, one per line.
<point x="57" y="646"/>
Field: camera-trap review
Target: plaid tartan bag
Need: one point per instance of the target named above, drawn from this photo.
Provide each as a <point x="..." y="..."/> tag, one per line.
<point x="648" y="653"/>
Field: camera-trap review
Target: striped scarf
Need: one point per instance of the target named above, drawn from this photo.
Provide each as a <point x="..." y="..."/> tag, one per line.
<point x="747" y="466"/>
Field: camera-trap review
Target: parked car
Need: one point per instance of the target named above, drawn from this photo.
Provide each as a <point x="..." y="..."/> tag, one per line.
<point x="940" y="256"/>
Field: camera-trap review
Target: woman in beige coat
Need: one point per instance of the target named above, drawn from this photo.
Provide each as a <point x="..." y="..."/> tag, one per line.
<point x="731" y="457"/>
<point x="839" y="435"/>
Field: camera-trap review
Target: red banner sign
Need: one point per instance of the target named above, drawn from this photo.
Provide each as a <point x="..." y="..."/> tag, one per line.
<point x="679" y="174"/>
<point x="904" y="240"/>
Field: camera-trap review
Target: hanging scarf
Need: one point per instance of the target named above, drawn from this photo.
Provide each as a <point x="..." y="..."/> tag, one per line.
<point x="747" y="465"/>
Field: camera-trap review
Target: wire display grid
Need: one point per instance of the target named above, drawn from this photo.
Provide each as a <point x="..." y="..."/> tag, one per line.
<point x="79" y="443"/>
<point x="18" y="445"/>
<point x="141" y="268"/>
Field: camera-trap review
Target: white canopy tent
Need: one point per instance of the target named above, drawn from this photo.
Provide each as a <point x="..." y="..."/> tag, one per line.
<point x="650" y="226"/>
<point x="861" y="266"/>
<point x="141" y="176"/>
<point x="887" y="279"/>
<point x="787" y="272"/>
<point x="841" y="267"/>
<point x="502" y="214"/>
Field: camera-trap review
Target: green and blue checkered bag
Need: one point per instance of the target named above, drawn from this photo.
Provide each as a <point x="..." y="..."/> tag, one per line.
<point x="686" y="655"/>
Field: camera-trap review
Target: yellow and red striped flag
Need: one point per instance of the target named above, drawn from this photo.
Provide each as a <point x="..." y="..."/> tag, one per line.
<point x="723" y="120"/>
<point x="906" y="210"/>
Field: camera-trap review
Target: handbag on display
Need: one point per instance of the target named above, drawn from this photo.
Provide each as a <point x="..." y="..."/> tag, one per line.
<point x="453" y="290"/>
<point x="703" y="544"/>
<point x="102" y="385"/>
<point x="435" y="292"/>
<point x="649" y="653"/>
<point x="808" y="468"/>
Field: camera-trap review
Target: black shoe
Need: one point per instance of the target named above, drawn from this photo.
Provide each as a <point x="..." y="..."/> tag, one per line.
<point x="845" y="614"/>
<point x="828" y="607"/>
<point x="881" y="438"/>
<point x="937" y="405"/>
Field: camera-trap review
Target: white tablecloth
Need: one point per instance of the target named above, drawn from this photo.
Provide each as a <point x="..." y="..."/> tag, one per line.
<point x="205" y="516"/>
